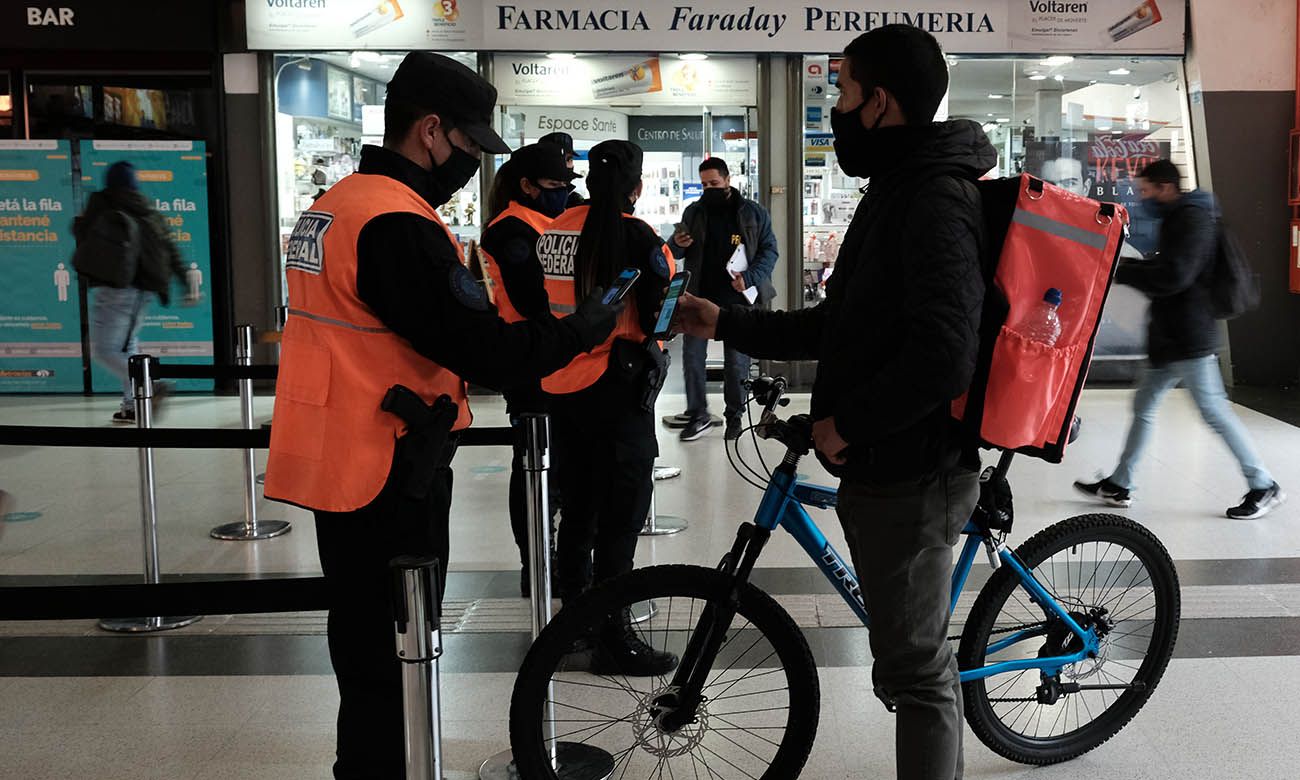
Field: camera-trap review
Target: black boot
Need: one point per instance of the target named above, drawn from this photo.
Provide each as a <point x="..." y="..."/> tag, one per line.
<point x="621" y="651"/>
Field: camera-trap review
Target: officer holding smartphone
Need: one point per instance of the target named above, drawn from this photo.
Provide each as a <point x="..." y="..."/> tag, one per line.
<point x="602" y="403"/>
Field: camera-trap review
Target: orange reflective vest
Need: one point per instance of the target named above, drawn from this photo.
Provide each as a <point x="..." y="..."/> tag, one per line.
<point x="538" y="222"/>
<point x="331" y="444"/>
<point x="557" y="249"/>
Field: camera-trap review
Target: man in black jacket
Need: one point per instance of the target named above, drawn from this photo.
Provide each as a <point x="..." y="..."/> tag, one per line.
<point x="710" y="231"/>
<point x="897" y="338"/>
<point x="1182" y="339"/>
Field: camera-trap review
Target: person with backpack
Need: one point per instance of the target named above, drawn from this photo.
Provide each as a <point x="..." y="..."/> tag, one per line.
<point x="125" y="251"/>
<point x="897" y="340"/>
<point x="1191" y="281"/>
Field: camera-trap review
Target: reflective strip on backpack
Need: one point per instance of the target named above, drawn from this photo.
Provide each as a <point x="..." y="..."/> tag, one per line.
<point x="1060" y="229"/>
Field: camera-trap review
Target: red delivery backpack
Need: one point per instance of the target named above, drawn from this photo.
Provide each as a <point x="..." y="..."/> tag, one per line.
<point x="1037" y="237"/>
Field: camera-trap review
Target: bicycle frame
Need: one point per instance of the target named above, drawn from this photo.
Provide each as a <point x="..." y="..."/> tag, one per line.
<point x="783" y="505"/>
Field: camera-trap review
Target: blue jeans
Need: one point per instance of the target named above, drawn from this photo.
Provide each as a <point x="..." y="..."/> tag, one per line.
<point x="1200" y="376"/>
<point x="115" y="331"/>
<point x="734" y="373"/>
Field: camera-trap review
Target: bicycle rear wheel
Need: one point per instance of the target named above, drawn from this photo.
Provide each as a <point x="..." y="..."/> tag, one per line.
<point x="1108" y="572"/>
<point x="758" y="721"/>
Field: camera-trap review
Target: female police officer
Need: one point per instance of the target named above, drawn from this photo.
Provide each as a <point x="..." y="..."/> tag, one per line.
<point x="602" y="402"/>
<point x="530" y="190"/>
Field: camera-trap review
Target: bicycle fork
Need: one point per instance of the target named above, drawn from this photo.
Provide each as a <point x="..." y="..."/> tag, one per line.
<point x="678" y="704"/>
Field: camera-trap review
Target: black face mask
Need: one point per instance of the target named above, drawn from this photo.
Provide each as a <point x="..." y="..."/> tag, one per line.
<point x="550" y="202"/>
<point x="446" y="179"/>
<point x="715" y="197"/>
<point x="855" y="146"/>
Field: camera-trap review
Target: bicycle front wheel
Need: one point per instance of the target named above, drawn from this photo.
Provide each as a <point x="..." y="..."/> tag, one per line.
<point x="1111" y="574"/>
<point x="758" y="718"/>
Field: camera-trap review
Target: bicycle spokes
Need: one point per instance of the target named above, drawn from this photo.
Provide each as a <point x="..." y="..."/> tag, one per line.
<point x="730" y="730"/>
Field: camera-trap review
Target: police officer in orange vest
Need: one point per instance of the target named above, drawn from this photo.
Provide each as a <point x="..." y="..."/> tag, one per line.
<point x="529" y="191"/>
<point x="381" y="306"/>
<point x="602" y="403"/>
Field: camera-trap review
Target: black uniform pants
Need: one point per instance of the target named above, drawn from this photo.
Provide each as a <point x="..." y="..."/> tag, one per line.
<point x="607" y="446"/>
<point x="355" y="550"/>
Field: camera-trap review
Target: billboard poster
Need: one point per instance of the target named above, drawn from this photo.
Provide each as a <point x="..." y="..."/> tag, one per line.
<point x="364" y="24"/>
<point x="173" y="177"/>
<point x="40" y="334"/>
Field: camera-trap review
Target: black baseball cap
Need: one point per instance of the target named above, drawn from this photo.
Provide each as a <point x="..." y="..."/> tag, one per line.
<point x="455" y="93"/>
<point x="562" y="140"/>
<point x="542" y="161"/>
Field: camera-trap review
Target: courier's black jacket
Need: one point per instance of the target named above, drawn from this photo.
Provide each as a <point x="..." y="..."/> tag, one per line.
<point x="897" y="336"/>
<point x="409" y="274"/>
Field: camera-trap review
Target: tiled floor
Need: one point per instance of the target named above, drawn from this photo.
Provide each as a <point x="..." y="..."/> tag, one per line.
<point x="251" y="697"/>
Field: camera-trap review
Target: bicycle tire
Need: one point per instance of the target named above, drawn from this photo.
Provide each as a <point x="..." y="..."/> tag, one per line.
<point x="1066" y="535"/>
<point x="662" y="583"/>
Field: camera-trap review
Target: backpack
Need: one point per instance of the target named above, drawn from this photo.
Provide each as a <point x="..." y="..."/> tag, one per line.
<point x="1234" y="286"/>
<point x="1037" y="235"/>
<point x="109" y="252"/>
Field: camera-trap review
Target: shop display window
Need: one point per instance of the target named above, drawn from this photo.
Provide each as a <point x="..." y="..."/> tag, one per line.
<point x="329" y="105"/>
<point x="679" y="108"/>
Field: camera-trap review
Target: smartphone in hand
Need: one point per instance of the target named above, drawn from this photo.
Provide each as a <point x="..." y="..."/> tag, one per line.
<point x="668" y="311"/>
<point x="626" y="278"/>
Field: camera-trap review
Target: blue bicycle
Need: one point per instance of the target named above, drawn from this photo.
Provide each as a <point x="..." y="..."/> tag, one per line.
<point x="1064" y="644"/>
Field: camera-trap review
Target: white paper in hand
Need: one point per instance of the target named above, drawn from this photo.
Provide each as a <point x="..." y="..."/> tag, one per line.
<point x="751" y="294"/>
<point x="739" y="262"/>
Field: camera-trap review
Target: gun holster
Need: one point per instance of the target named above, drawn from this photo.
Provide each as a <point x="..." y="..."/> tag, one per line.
<point x="643" y="365"/>
<point x="427" y="444"/>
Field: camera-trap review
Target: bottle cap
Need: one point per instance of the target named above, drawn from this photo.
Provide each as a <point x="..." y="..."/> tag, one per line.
<point x="1052" y="296"/>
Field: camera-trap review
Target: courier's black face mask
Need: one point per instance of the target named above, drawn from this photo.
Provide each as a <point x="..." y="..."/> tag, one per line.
<point x="856" y="147"/>
<point x="446" y="179"/>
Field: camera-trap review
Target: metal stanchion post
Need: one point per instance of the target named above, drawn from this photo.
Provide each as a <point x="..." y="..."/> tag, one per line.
<point x="570" y="759"/>
<point x="250" y="529"/>
<point x="140" y="367"/>
<point x="661" y="525"/>
<point x="419" y="645"/>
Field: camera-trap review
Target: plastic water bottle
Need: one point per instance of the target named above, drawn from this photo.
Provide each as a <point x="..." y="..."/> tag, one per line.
<point x="1042" y="324"/>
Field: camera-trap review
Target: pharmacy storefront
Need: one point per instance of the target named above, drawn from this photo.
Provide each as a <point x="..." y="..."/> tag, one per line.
<point x="1081" y="94"/>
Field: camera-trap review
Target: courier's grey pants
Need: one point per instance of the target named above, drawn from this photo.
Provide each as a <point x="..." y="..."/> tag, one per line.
<point x="900" y="538"/>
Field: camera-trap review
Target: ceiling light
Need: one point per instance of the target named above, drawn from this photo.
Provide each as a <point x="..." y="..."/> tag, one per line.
<point x="1037" y="77"/>
<point x="1094" y="81"/>
<point x="1053" y="62"/>
<point x="561" y="55"/>
<point x="1059" y="77"/>
<point x="695" y="56"/>
<point x="1002" y="120"/>
<point x="990" y="115"/>
<point x="996" y="97"/>
<point x="1119" y="72"/>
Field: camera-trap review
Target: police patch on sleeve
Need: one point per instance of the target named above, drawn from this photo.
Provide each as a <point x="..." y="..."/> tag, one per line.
<point x="467" y="292"/>
<point x="658" y="262"/>
<point x="306" y="249"/>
